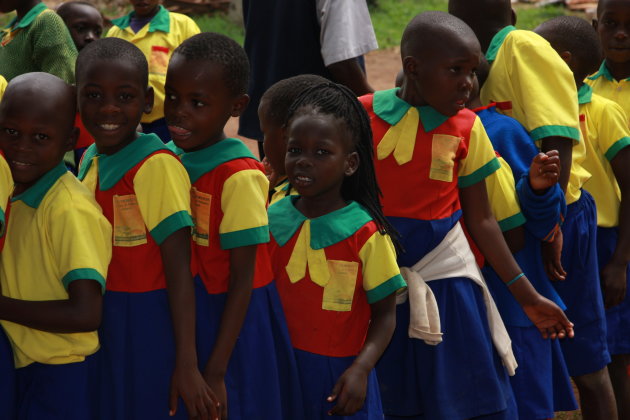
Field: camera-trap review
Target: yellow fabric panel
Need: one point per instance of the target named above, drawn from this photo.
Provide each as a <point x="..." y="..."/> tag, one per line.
<point x="6" y="187"/>
<point x="3" y="86"/>
<point x="502" y="192"/>
<point x="91" y="177"/>
<point x="66" y="232"/>
<point x="579" y="175"/>
<point x="181" y="28"/>
<point x="244" y="201"/>
<point x="480" y="151"/>
<point x="616" y="91"/>
<point x="529" y="73"/>
<point x="606" y="124"/>
<point x="378" y="258"/>
<point x="162" y="188"/>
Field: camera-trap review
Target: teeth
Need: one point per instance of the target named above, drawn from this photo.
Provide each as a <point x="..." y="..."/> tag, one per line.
<point x="21" y="163"/>
<point x="109" y="127"/>
<point x="303" y="178"/>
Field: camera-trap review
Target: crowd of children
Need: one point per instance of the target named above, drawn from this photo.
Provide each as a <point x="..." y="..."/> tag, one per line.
<point x="454" y="248"/>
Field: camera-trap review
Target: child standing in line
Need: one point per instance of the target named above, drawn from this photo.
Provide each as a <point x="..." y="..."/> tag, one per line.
<point x="605" y="131"/>
<point x="148" y="331"/>
<point x="426" y="139"/>
<point x="56" y="254"/>
<point x="36" y="40"/>
<point x="272" y="113"/>
<point x="242" y="339"/>
<point x="157" y="32"/>
<point x="332" y="255"/>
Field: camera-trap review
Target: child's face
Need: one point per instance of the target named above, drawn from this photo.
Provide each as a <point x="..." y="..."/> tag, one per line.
<point x="144" y="8"/>
<point x="319" y="154"/>
<point x="85" y="24"/>
<point x="274" y="143"/>
<point x="198" y="103"/>
<point x="444" y="79"/>
<point x="112" y="98"/>
<point x="613" y="26"/>
<point x="33" y="136"/>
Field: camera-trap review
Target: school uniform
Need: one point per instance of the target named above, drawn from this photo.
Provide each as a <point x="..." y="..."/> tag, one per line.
<point x="605" y="85"/>
<point x="329" y="270"/>
<point x="606" y="133"/>
<point x="229" y="197"/>
<point x="145" y="192"/>
<point x="438" y="155"/>
<point x="56" y="223"/>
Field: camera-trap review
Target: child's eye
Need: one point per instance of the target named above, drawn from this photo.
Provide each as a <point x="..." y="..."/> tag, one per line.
<point x="322" y="152"/>
<point x="41" y="136"/>
<point x="93" y="95"/>
<point x="198" y="104"/>
<point x="126" y="96"/>
<point x="609" y="22"/>
<point x="11" y="131"/>
<point x="454" y="69"/>
<point x="293" y="150"/>
<point x="170" y="97"/>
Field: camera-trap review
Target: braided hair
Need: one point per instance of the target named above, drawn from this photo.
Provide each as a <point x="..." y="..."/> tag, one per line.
<point x="340" y="102"/>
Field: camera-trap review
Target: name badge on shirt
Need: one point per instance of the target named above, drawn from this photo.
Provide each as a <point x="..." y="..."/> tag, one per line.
<point x="200" y="204"/>
<point x="129" y="228"/>
<point x="443" y="149"/>
<point x="339" y="291"/>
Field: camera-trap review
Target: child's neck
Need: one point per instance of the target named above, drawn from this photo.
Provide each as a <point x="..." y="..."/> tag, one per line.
<point x="24" y="8"/>
<point x="318" y="206"/>
<point x="106" y="149"/>
<point x="410" y="95"/>
<point x="211" y="142"/>
<point x="474" y="103"/>
<point x="619" y="71"/>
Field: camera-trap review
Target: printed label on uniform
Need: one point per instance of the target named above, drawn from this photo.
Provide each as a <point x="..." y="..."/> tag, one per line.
<point x="200" y="204"/>
<point x="129" y="228"/>
<point x="158" y="62"/>
<point x="583" y="127"/>
<point x="443" y="150"/>
<point x="339" y="291"/>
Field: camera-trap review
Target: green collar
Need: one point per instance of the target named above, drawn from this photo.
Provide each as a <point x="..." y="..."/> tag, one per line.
<point x="203" y="161"/>
<point x="173" y="148"/>
<point x="585" y="92"/>
<point x="28" y="17"/>
<point x="34" y="195"/>
<point x="160" y="22"/>
<point x="111" y="168"/>
<point x="497" y="41"/>
<point x="390" y="108"/>
<point x="603" y="71"/>
<point x="326" y="230"/>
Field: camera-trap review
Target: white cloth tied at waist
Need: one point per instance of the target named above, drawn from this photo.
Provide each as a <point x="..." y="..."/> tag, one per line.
<point x="451" y="258"/>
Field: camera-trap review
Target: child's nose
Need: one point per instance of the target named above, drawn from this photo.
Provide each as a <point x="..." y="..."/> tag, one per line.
<point x="621" y="34"/>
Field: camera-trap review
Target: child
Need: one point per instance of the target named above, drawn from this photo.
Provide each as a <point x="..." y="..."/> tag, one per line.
<point x="426" y="139"/>
<point x="36" y="40"/>
<point x="144" y="191"/>
<point x="243" y="343"/>
<point x="272" y="113"/>
<point x="50" y="309"/>
<point x="157" y="32"/>
<point x="605" y="130"/>
<point x="341" y="312"/>
<point x="83" y="20"/>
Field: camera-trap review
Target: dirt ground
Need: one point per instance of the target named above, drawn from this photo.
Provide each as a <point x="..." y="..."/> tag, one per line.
<point x="381" y="66"/>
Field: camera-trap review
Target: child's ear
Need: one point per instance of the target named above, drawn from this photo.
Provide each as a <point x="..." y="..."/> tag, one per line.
<point x="148" y="100"/>
<point x="594" y="23"/>
<point x="566" y="56"/>
<point x="72" y="139"/>
<point x="410" y="67"/>
<point x="239" y="105"/>
<point x="352" y="164"/>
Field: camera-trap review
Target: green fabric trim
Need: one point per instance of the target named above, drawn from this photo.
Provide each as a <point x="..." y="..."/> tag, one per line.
<point x="326" y="230"/>
<point x="512" y="222"/>
<point x="385" y="289"/>
<point x="3" y="224"/>
<point x="173" y="148"/>
<point x="83" y="274"/>
<point x="555" y="130"/>
<point x="160" y="22"/>
<point x="391" y="108"/>
<point x="585" y="93"/>
<point x="29" y="17"/>
<point x="171" y="224"/>
<point x="34" y="195"/>
<point x="112" y="168"/>
<point x="205" y="160"/>
<point x="245" y="237"/>
<point x="86" y="161"/>
<point x="480" y="174"/>
<point x="497" y="42"/>
<point x="616" y="148"/>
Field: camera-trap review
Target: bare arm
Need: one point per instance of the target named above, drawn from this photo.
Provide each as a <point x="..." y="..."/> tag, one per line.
<point x="350" y="74"/>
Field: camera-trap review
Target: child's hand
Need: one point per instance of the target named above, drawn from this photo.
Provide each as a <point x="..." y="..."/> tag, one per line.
<point x="350" y="388"/>
<point x="548" y="318"/>
<point x="198" y="397"/>
<point x="217" y="383"/>
<point x="614" y="283"/>
<point x="544" y="171"/>
<point x="551" y="255"/>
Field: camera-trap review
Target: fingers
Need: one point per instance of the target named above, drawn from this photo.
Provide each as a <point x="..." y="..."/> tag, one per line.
<point x="172" y="400"/>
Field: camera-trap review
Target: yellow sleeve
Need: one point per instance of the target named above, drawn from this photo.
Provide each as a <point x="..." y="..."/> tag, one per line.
<point x="613" y="132"/>
<point x="480" y="161"/>
<point x="162" y="189"/>
<point x="6" y="188"/>
<point x="244" y="206"/>
<point x="381" y="275"/>
<point x="502" y="197"/>
<point x="3" y="86"/>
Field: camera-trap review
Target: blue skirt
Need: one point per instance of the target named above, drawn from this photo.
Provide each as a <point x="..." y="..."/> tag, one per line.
<point x="262" y="379"/>
<point x="7" y="378"/>
<point x="618" y="317"/>
<point x="318" y="376"/>
<point x="134" y="367"/>
<point x="460" y="378"/>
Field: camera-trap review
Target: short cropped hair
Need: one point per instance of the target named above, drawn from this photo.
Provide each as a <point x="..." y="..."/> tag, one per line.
<point x="281" y="95"/>
<point x="222" y="50"/>
<point x="113" y="49"/>
<point x="65" y="9"/>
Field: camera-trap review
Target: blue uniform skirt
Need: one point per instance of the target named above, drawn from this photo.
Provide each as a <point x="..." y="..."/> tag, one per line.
<point x="587" y="352"/>
<point x="134" y="367"/>
<point x="618" y="317"/>
<point x="318" y="376"/>
<point x="7" y="378"/>
<point x="460" y="378"/>
<point x="262" y="379"/>
<point x="53" y="392"/>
